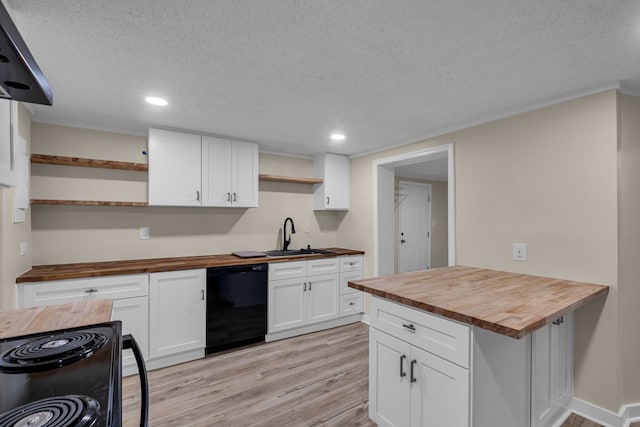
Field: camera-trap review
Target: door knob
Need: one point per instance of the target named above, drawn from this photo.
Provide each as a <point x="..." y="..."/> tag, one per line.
<point x="402" y="240"/>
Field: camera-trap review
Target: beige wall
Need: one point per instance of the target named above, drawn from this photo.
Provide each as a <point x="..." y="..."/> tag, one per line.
<point x="547" y="178"/>
<point x="629" y="241"/>
<point x="439" y="216"/>
<point x="63" y="234"/>
<point x="12" y="264"/>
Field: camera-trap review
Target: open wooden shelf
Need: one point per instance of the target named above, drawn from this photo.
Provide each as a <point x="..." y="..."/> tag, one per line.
<point x="46" y="159"/>
<point x="291" y="179"/>
<point x="86" y="203"/>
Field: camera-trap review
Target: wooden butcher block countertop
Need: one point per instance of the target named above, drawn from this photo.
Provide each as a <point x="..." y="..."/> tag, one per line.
<point x="35" y="320"/>
<point x="41" y="273"/>
<point x="507" y="303"/>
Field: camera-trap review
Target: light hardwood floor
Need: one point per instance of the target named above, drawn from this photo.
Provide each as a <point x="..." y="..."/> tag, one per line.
<point x="319" y="379"/>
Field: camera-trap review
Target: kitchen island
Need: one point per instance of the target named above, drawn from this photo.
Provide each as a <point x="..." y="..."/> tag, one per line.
<point x="35" y="320"/>
<point x="460" y="346"/>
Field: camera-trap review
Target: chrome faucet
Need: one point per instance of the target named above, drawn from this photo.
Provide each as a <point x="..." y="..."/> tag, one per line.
<point x="286" y="242"/>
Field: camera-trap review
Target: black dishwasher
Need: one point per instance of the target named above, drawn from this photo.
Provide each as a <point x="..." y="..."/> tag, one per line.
<point x="236" y="306"/>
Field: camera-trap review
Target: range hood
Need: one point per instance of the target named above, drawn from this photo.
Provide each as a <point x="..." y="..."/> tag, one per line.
<point x="20" y="76"/>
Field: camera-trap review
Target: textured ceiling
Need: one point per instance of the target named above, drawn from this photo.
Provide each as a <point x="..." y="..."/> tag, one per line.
<point x="286" y="73"/>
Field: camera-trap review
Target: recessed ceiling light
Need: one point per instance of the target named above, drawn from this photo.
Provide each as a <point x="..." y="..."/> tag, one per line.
<point x="338" y="137"/>
<point x="154" y="100"/>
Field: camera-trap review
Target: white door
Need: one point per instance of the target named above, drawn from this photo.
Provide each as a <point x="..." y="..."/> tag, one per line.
<point x="286" y="304"/>
<point x="439" y="391"/>
<point x="414" y="226"/>
<point x="177" y="312"/>
<point x="389" y="390"/>
<point x="134" y="315"/>
<point x="216" y="171"/>
<point x="322" y="298"/>
<point x="174" y="168"/>
<point x="244" y="179"/>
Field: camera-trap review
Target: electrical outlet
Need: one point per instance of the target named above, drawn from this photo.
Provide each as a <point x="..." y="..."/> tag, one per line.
<point x="519" y="251"/>
<point x="145" y="233"/>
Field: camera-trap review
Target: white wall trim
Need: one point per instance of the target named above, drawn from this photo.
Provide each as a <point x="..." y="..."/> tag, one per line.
<point x="505" y="114"/>
<point x="405" y="159"/>
<point x="626" y="415"/>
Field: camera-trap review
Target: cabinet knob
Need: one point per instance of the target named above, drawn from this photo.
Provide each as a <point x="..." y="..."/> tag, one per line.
<point x="352" y="303"/>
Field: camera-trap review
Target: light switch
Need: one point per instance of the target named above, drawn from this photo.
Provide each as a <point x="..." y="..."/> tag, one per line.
<point x="145" y="233"/>
<point x="23" y="249"/>
<point x="519" y="251"/>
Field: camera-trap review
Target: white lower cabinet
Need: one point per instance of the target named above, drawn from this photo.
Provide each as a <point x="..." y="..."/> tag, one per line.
<point x="134" y="314"/>
<point x="426" y="370"/>
<point x="305" y="296"/>
<point x="177" y="312"/>
<point x="409" y="386"/>
<point x="552" y="376"/>
<point x="128" y="292"/>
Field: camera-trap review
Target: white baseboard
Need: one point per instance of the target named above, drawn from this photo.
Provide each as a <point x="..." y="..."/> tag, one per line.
<point x="366" y="319"/>
<point x="174" y="359"/>
<point x="333" y="323"/>
<point x="626" y="415"/>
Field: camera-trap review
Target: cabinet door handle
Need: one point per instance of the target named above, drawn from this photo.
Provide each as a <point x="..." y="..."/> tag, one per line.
<point x="90" y="291"/>
<point x="235" y="197"/>
<point x="202" y="294"/>
<point x="228" y="197"/>
<point x="559" y="320"/>
<point x="352" y="303"/>
<point x="198" y="195"/>
<point x="402" y="372"/>
<point x="327" y="200"/>
<point x="309" y="285"/>
<point x="413" y="363"/>
<point x="409" y="327"/>
<point x="305" y="286"/>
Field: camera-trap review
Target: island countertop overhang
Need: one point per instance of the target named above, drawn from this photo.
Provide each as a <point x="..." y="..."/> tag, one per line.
<point x="512" y="304"/>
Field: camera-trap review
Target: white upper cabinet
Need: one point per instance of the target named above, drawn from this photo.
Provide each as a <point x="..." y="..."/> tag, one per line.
<point x="193" y="170"/>
<point x="333" y="193"/>
<point x="229" y="173"/>
<point x="8" y="164"/>
<point x="174" y="168"/>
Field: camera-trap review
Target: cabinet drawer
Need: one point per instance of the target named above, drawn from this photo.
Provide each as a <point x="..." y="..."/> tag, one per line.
<point x="351" y="263"/>
<point x="344" y="279"/>
<point x="322" y="266"/>
<point x="287" y="270"/>
<point x="351" y="304"/>
<point x="442" y="337"/>
<point x="75" y="290"/>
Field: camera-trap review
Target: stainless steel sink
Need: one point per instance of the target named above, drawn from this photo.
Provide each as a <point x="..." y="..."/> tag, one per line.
<point x="276" y="254"/>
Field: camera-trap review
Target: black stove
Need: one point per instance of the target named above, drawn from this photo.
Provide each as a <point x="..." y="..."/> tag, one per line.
<point x="64" y="378"/>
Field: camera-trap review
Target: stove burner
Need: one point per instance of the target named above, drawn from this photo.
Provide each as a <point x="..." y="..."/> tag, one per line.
<point x="53" y="351"/>
<point x="63" y="411"/>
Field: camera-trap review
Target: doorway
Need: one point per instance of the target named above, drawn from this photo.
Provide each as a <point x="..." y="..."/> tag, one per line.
<point x="384" y="172"/>
<point x="414" y="226"/>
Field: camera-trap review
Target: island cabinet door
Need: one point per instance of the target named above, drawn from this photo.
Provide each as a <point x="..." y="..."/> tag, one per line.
<point x="439" y="391"/>
<point x="389" y="388"/>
